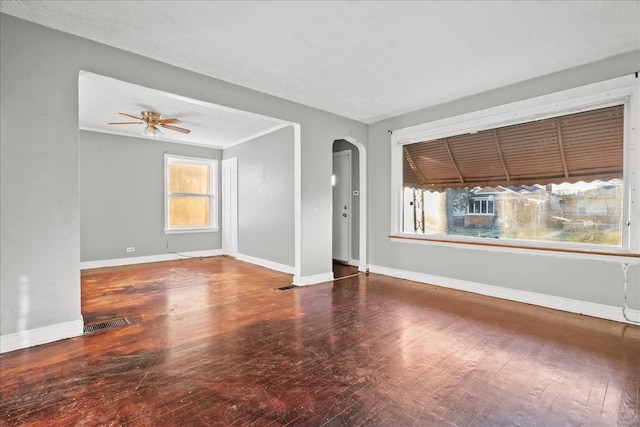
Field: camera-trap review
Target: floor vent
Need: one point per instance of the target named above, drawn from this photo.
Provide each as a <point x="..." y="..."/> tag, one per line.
<point x="109" y="324"/>
<point x="286" y="288"/>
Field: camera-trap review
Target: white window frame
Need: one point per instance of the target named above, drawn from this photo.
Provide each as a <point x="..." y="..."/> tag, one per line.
<point x="213" y="196"/>
<point x="487" y="200"/>
<point x="619" y="91"/>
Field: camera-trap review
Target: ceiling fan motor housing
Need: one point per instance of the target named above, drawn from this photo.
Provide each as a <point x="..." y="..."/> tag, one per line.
<point x="150" y="117"/>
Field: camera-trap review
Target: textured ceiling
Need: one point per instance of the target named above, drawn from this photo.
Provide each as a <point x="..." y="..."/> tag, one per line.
<point x="363" y="60"/>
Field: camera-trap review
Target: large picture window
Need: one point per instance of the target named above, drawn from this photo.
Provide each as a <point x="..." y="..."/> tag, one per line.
<point x="190" y="185"/>
<point x="544" y="174"/>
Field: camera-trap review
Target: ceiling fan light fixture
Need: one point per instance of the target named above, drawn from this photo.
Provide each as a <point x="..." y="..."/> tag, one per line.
<point x="152" y="131"/>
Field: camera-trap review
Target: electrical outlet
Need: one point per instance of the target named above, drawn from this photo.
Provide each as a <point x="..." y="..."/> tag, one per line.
<point x="131" y="249"/>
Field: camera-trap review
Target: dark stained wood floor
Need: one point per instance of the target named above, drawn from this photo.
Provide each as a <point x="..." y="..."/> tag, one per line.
<point x="341" y="270"/>
<point x="213" y="342"/>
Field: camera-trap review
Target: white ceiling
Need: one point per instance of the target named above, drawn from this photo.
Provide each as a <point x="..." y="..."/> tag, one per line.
<point x="364" y="60"/>
<point x="101" y="98"/>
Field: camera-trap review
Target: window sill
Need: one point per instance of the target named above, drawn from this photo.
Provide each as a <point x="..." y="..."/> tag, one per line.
<point x="600" y="255"/>
<point x="191" y="230"/>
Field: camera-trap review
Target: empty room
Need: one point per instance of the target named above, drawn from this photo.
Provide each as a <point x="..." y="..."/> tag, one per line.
<point x="320" y="213"/>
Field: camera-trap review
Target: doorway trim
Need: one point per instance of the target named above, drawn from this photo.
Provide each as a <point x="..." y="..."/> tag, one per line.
<point x="347" y="154"/>
<point x="363" y="264"/>
<point x="230" y="206"/>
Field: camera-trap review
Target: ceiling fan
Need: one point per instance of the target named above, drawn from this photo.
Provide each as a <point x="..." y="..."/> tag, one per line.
<point x="152" y="121"/>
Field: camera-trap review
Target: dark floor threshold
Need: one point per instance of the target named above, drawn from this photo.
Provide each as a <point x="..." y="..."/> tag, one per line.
<point x="347" y="276"/>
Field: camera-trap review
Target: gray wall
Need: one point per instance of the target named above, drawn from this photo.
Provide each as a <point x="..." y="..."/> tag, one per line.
<point x="266" y="196"/>
<point x="40" y="228"/>
<point x="40" y="215"/>
<point x="122" y="198"/>
<point x="586" y="280"/>
<point x="342" y="145"/>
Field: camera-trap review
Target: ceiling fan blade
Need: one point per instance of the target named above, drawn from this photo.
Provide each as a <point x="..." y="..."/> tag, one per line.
<point x="176" y="128"/>
<point x="125" y="123"/>
<point x="165" y="121"/>
<point x="133" y="117"/>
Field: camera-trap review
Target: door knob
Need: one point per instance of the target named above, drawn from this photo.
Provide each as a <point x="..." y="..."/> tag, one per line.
<point x="344" y="214"/>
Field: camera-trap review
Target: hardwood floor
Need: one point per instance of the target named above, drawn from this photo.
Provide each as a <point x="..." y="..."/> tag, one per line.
<point x="213" y="342"/>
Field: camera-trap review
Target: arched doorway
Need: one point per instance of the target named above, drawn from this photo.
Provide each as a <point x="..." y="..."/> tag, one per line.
<point x="349" y="207"/>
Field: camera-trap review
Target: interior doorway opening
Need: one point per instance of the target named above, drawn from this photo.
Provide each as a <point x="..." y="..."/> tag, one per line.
<point x="348" y="208"/>
<point x="342" y="216"/>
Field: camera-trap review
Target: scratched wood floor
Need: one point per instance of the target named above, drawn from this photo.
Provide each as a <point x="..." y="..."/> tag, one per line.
<point x="213" y="342"/>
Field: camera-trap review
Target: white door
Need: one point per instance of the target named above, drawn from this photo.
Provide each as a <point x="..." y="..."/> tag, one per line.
<point x="230" y="206"/>
<point x="341" y="205"/>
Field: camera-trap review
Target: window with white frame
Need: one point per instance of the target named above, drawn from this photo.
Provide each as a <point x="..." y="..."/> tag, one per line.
<point x="190" y="194"/>
<point x="481" y="206"/>
<point x="555" y="171"/>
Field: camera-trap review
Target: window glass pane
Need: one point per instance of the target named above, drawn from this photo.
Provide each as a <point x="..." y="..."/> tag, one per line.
<point x="188" y="178"/>
<point x="557" y="179"/>
<point x="188" y="211"/>
<point x="581" y="213"/>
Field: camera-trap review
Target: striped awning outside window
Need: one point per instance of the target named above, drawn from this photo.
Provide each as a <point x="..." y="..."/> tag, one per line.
<point x="584" y="146"/>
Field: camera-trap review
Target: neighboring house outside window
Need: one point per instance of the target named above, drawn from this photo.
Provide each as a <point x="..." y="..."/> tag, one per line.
<point x="190" y="199"/>
<point x="481" y="209"/>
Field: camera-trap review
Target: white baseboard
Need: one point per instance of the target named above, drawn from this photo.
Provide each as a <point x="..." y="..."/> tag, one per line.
<point x="312" y="280"/>
<point x="85" y="265"/>
<point x="43" y="335"/>
<point x="266" y="263"/>
<point x="550" y="301"/>
<point x="361" y="267"/>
